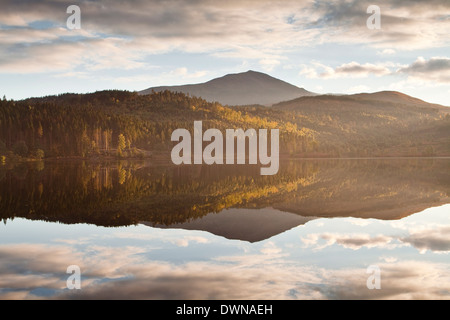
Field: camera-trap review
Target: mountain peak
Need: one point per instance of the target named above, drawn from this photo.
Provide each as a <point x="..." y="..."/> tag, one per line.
<point x="246" y="88"/>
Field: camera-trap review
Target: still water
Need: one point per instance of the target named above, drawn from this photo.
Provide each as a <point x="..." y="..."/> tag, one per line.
<point x="143" y="231"/>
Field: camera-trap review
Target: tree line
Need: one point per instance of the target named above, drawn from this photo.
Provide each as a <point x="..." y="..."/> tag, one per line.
<point x="123" y="123"/>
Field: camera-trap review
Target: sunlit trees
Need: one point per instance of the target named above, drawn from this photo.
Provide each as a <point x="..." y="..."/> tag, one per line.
<point x="90" y="125"/>
<point x="121" y="145"/>
<point x="39" y="154"/>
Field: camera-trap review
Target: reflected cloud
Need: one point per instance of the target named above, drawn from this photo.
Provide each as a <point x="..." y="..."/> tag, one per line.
<point x="401" y="280"/>
<point x="184" y="242"/>
<point x="436" y="239"/>
<point x="115" y="265"/>
<point x="349" y="241"/>
<point x="120" y="273"/>
<point x="424" y="232"/>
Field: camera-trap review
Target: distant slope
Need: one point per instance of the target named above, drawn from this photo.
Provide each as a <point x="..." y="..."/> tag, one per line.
<point x="399" y="98"/>
<point x="247" y="88"/>
<point x="377" y="99"/>
<point x="386" y="123"/>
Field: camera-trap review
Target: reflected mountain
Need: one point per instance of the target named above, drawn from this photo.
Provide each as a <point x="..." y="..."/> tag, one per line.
<point x="235" y="202"/>
<point x="250" y="225"/>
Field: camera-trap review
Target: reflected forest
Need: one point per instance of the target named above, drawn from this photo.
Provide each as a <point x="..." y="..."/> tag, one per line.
<point x="124" y="193"/>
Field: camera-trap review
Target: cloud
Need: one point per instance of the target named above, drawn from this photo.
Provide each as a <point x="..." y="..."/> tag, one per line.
<point x="346" y="70"/>
<point x="348" y="241"/>
<point x="184" y="73"/>
<point x="61" y="55"/>
<point x="399" y="281"/>
<point x="184" y="242"/>
<point x="435" y="240"/>
<point x="361" y="70"/>
<point x="128" y="273"/>
<point x="432" y="238"/>
<point x="386" y="52"/>
<point x="270" y="248"/>
<point x="405" y="25"/>
<point x="126" y="34"/>
<point x="436" y="69"/>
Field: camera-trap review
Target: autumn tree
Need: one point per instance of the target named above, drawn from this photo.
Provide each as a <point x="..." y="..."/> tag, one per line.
<point x="121" y="145"/>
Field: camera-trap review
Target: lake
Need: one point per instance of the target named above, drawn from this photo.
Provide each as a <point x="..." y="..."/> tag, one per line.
<point x="319" y="229"/>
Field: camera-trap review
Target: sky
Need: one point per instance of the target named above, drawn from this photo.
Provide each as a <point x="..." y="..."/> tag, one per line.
<point x="322" y="46"/>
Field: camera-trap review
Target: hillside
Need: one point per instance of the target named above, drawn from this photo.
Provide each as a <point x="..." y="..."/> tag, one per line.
<point x="128" y="125"/>
<point x="397" y="97"/>
<point x="246" y="88"/>
<point x="378" y="124"/>
<point x="121" y="123"/>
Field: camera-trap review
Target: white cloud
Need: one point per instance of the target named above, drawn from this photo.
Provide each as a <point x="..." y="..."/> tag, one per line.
<point x="436" y="69"/>
<point x="422" y="72"/>
<point x="184" y="242"/>
<point x="66" y="56"/>
<point x="270" y="249"/>
<point x="434" y="239"/>
<point x="389" y="259"/>
<point x="184" y="73"/>
<point x="260" y="30"/>
<point x="128" y="273"/>
<point x="349" y="241"/>
<point x="346" y="70"/>
<point x="387" y="52"/>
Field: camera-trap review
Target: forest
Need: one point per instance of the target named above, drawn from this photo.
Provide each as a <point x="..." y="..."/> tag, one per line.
<point x="123" y="124"/>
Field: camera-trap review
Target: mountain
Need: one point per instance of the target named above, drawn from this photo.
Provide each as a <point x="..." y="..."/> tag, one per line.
<point x="248" y="88"/>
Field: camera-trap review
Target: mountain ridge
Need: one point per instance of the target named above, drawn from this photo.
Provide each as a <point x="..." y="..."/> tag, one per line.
<point x="247" y="88"/>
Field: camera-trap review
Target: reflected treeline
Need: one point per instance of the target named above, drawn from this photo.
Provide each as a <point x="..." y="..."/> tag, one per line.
<point x="373" y="188"/>
<point x="125" y="193"/>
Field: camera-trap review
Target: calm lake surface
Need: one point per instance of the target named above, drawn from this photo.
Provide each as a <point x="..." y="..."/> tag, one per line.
<point x="316" y="230"/>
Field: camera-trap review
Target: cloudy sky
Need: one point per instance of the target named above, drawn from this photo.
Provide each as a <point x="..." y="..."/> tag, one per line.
<point x="323" y="46"/>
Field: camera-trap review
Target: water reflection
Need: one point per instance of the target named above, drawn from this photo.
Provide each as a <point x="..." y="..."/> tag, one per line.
<point x="309" y="232"/>
<point x="315" y="261"/>
<point x="207" y="197"/>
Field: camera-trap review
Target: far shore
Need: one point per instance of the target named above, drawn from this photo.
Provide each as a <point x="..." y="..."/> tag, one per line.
<point x="164" y="158"/>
